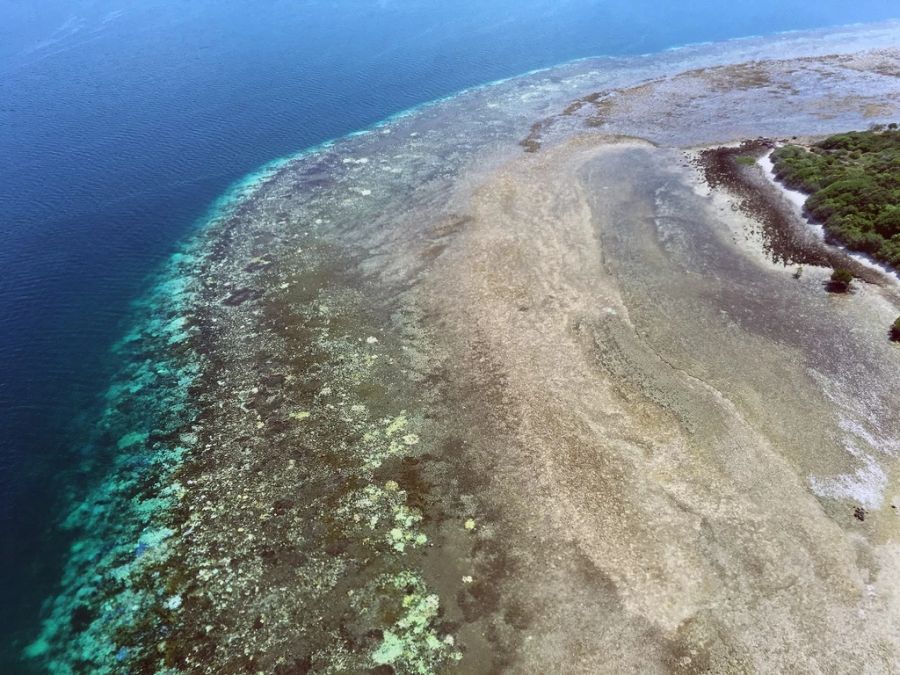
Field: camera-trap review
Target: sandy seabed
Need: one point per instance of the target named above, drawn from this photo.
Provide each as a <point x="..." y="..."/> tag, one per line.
<point x="508" y="384"/>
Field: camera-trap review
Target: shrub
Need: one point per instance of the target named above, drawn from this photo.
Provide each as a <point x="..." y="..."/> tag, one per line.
<point x="895" y="330"/>
<point x="888" y="221"/>
<point x="842" y="275"/>
<point x="840" y="279"/>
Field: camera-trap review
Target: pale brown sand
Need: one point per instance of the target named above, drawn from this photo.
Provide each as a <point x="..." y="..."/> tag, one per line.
<point x="657" y="411"/>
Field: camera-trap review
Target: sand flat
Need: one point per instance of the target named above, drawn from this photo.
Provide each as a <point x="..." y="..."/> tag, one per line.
<point x="672" y="409"/>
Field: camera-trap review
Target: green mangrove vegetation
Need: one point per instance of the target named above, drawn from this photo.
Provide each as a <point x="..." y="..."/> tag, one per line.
<point x="841" y="278"/>
<point x="853" y="182"/>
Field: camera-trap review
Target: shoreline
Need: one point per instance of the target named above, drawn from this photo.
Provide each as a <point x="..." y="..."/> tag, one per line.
<point x="798" y="199"/>
<point x="786" y="241"/>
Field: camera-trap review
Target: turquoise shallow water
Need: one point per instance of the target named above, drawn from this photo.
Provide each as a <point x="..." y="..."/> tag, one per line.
<point x="115" y="515"/>
<point x="123" y="124"/>
<point x="142" y="434"/>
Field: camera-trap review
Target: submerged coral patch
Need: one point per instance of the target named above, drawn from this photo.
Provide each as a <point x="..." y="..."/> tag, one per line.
<point x="120" y="528"/>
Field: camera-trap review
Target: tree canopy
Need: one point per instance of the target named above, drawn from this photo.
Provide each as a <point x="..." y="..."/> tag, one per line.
<point x="853" y="180"/>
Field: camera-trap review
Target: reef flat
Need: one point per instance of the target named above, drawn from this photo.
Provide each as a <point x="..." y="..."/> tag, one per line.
<point x="510" y="383"/>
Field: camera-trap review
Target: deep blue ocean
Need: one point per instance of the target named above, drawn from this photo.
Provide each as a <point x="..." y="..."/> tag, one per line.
<point x="120" y="122"/>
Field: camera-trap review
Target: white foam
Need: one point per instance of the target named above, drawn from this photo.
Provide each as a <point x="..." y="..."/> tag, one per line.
<point x="863" y="438"/>
<point x="864" y="486"/>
